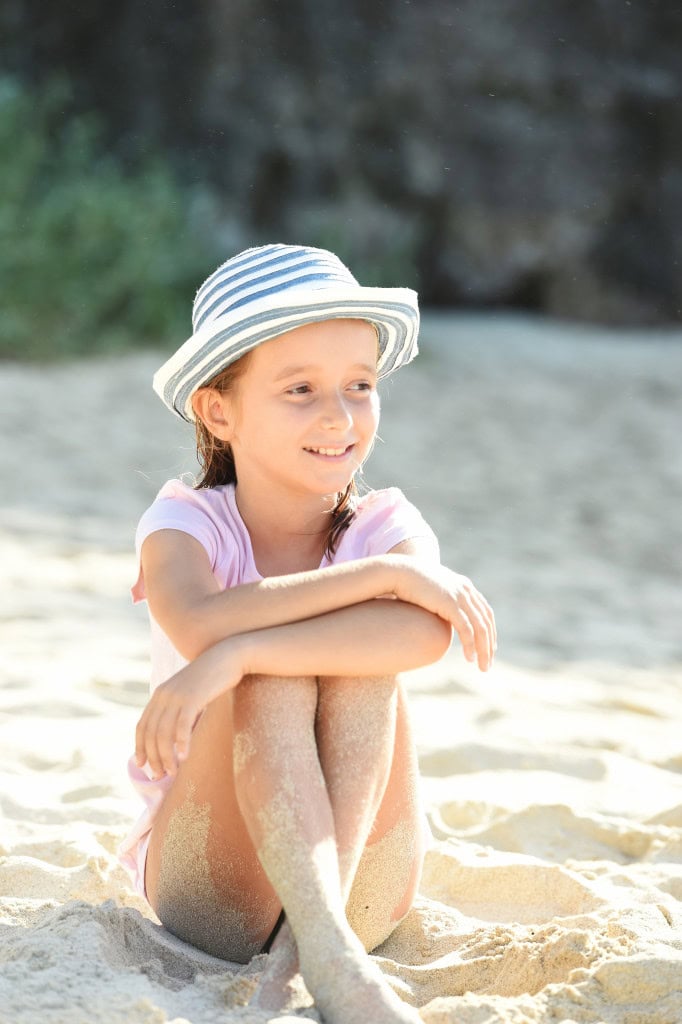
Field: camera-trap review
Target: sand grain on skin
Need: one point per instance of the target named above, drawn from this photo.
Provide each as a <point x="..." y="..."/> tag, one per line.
<point x="380" y="884"/>
<point x="244" y="748"/>
<point x="547" y="457"/>
<point x="216" y="918"/>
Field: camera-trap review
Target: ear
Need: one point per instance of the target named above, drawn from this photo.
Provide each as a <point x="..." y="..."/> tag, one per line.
<point x="214" y="410"/>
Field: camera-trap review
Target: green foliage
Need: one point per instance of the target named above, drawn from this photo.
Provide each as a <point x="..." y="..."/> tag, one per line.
<point x="92" y="258"/>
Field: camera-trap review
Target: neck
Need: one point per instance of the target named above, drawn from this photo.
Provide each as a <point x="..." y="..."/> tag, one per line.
<point x="287" y="535"/>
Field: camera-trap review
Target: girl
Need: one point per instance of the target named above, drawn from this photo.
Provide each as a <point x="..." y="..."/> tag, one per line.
<point x="275" y="754"/>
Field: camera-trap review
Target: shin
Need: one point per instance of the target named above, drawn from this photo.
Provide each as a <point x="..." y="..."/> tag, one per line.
<point x="283" y="798"/>
<point x="370" y="765"/>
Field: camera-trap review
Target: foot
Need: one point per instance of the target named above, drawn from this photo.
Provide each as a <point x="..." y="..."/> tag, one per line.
<point x="281" y="986"/>
<point x="349" y="988"/>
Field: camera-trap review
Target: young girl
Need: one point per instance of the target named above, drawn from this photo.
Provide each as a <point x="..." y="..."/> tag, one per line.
<point x="275" y="754"/>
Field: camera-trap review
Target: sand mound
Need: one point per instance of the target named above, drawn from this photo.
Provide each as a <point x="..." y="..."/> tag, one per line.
<point x="553" y="891"/>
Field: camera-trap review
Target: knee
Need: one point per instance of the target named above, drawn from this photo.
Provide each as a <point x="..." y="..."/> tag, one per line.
<point x="269" y="714"/>
<point x="386" y="883"/>
<point x="371" y="692"/>
<point x="386" y="685"/>
<point x="259" y="694"/>
<point x="265" y="685"/>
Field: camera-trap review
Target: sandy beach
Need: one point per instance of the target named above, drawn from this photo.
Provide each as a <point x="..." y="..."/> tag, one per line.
<point x="547" y="457"/>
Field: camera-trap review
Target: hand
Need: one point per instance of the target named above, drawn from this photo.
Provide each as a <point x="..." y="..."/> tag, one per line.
<point x="162" y="737"/>
<point x="454" y="598"/>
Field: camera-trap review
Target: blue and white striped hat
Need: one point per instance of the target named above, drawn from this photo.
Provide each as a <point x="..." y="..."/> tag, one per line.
<point x="264" y="292"/>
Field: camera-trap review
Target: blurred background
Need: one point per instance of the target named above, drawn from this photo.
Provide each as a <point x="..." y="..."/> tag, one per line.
<point x="493" y="155"/>
<point x="520" y="164"/>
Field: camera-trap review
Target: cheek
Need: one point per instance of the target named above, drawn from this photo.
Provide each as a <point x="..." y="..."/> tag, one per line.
<point x="367" y="424"/>
<point x="281" y="421"/>
<point x="375" y="411"/>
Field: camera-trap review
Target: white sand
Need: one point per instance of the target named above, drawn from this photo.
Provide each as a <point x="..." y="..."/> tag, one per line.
<point x="549" y="460"/>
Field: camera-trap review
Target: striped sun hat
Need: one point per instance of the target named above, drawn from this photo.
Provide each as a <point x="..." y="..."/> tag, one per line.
<point x="264" y="292"/>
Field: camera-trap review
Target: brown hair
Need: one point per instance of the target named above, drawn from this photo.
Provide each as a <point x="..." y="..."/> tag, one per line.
<point x="218" y="466"/>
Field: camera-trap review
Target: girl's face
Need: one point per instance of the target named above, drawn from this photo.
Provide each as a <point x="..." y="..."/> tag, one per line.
<point x="304" y="414"/>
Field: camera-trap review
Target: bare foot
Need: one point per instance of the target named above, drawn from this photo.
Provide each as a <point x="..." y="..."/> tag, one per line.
<point x="281" y="986"/>
<point x="349" y="988"/>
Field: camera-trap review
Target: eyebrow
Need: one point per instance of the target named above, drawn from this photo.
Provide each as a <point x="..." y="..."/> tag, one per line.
<point x="302" y="371"/>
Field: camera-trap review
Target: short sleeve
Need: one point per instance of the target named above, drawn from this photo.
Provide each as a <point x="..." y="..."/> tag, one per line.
<point x="383" y="519"/>
<point x="178" y="507"/>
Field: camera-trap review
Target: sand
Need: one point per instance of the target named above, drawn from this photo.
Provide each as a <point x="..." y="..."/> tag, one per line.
<point x="548" y="459"/>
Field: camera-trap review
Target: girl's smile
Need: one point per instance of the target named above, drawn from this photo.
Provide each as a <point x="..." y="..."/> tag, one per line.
<point x="304" y="414"/>
<point x="332" y="453"/>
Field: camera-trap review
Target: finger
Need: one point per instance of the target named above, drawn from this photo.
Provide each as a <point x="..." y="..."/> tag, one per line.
<point x="493" y="627"/>
<point x="490" y="616"/>
<point x="482" y="640"/>
<point x="143" y="731"/>
<point x="484" y="609"/>
<point x="165" y="738"/>
<point x="151" y="745"/>
<point x="488" y="624"/>
<point x="185" y="724"/>
<point x="140" y="733"/>
<point x="464" y="629"/>
<point x="474" y="611"/>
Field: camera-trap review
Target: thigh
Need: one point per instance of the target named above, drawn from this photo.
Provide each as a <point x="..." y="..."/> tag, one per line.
<point x="401" y="800"/>
<point x="203" y="877"/>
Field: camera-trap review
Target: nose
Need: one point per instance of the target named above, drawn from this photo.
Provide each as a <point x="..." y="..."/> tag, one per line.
<point x="336" y="414"/>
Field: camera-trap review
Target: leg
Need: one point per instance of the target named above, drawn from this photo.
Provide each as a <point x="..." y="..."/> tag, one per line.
<point x="284" y="800"/>
<point x="203" y="877"/>
<point x="356" y="724"/>
<point x="370" y="764"/>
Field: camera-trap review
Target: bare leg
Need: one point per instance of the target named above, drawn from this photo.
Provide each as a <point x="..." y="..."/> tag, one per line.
<point x="290" y="801"/>
<point x="252" y="790"/>
<point x="370" y="766"/>
<point x="355" y="738"/>
<point x="203" y="876"/>
<point x="291" y="819"/>
<point x="363" y="734"/>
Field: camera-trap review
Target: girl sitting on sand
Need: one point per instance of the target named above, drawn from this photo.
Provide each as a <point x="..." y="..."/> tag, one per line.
<point x="275" y="754"/>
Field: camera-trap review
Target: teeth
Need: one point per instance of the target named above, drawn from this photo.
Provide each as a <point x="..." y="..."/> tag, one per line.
<point x="328" y="451"/>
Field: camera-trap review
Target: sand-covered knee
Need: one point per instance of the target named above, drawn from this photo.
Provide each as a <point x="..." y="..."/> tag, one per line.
<point x="383" y="878"/>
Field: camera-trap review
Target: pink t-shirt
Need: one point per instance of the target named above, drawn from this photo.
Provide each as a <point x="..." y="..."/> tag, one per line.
<point x="382" y="519"/>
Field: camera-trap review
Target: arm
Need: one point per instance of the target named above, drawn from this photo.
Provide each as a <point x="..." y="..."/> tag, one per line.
<point x="373" y="638"/>
<point x="387" y="637"/>
<point x="187" y="602"/>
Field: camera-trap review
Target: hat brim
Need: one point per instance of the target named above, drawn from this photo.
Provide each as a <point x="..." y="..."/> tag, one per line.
<point x="393" y="311"/>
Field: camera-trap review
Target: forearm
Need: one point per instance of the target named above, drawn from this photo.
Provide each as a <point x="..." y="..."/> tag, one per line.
<point x="285" y="600"/>
<point x="376" y="638"/>
<point x="189" y="605"/>
<point x="361" y="638"/>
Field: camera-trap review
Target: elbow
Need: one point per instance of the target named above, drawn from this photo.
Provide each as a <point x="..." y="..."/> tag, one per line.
<point x="434" y="637"/>
<point x="190" y="637"/>
<point x="187" y="643"/>
<point x="190" y="647"/>
<point x="441" y="638"/>
<point x="195" y="638"/>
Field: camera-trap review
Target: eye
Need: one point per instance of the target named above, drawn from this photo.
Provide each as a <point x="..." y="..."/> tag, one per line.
<point x="362" y="385"/>
<point x="299" y="389"/>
